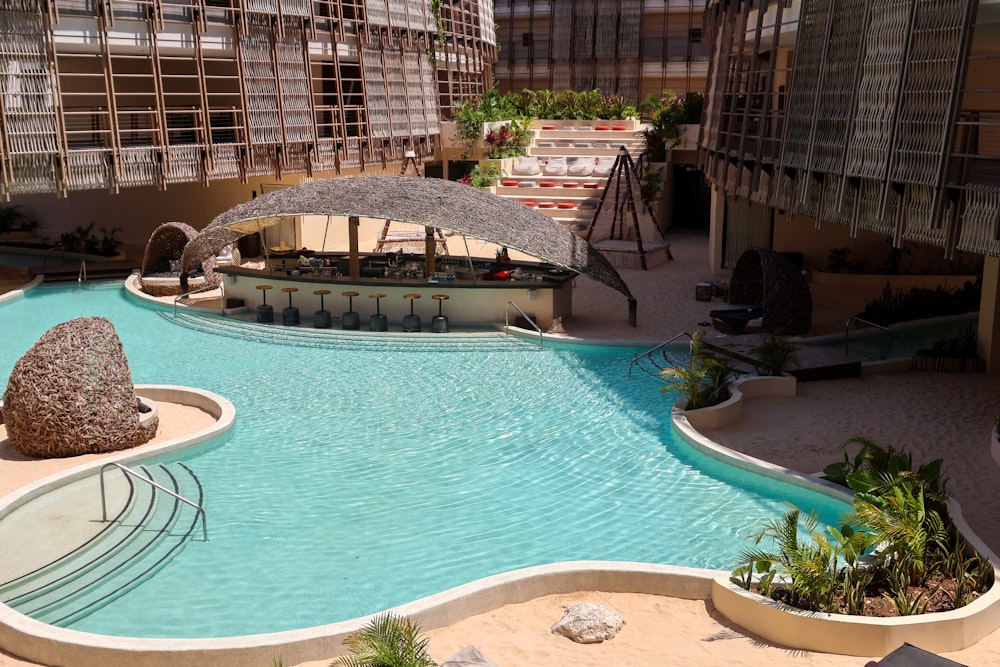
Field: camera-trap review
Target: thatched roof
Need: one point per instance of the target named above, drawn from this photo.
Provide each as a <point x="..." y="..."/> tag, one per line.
<point x="766" y="278"/>
<point x="431" y="202"/>
<point x="72" y="393"/>
<point x="167" y="242"/>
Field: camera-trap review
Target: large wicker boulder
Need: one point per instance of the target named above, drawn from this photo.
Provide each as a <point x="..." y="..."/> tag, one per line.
<point x="72" y="393"/>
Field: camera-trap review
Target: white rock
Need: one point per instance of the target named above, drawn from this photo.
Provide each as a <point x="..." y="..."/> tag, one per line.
<point x="589" y="623"/>
<point x="469" y="656"/>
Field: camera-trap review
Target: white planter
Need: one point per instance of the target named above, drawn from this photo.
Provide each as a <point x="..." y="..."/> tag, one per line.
<point x="727" y="412"/>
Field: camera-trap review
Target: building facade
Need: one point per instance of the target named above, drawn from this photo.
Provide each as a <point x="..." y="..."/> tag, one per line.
<point x="114" y="94"/>
<point x="630" y="48"/>
<point x="855" y="120"/>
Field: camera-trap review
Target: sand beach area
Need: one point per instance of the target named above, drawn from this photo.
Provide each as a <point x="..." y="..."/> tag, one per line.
<point x="932" y="415"/>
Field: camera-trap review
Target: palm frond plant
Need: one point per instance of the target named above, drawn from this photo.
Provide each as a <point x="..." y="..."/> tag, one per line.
<point x="387" y="641"/>
<point x="806" y="564"/>
<point x="774" y="355"/>
<point x="704" y="381"/>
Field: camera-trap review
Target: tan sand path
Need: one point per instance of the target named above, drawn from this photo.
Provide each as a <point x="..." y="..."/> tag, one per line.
<point x="931" y="414"/>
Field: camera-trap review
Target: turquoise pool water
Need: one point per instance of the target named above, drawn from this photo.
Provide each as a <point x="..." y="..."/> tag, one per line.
<point x="362" y="475"/>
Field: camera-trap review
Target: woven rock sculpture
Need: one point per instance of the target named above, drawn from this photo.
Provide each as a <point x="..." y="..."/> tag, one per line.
<point x="72" y="394"/>
<point x="589" y="623"/>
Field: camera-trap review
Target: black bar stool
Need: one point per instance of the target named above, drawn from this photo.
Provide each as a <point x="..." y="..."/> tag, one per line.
<point x="378" y="321"/>
<point x="411" y="322"/>
<point x="322" y="319"/>
<point x="290" y="315"/>
<point x="439" y="323"/>
<point x="350" y="319"/>
<point x="265" y="313"/>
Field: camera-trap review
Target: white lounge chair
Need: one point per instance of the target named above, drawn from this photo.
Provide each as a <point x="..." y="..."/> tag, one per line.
<point x="604" y="165"/>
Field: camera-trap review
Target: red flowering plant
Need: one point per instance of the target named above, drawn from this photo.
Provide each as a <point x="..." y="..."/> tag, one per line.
<point x="509" y="140"/>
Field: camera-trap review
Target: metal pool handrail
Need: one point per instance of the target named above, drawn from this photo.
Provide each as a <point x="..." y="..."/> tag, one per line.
<point x="506" y="321"/>
<point x="637" y="357"/>
<point x="132" y="473"/>
<point x="847" y="330"/>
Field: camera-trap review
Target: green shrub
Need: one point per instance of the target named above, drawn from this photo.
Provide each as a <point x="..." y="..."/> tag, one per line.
<point x="963" y="345"/>
<point x="704" y="381"/>
<point x="897" y="509"/>
<point x="774" y="355"/>
<point x="919" y="302"/>
<point x="387" y="641"/>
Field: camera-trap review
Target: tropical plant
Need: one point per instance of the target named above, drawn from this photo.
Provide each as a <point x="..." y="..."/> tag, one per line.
<point x="705" y="380"/>
<point x="920" y="302"/>
<point x="838" y="260"/>
<point x="898" y="543"/>
<point x="483" y="175"/>
<point x="509" y="140"/>
<point x="666" y="115"/>
<point x="387" y="641"/>
<point x="13" y="219"/>
<point x="963" y="345"/>
<point x="774" y="354"/>
<point x="83" y="239"/>
<point x="808" y="567"/>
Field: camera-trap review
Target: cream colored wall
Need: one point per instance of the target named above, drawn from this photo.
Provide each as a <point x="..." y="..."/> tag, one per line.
<point x="138" y="211"/>
<point x="474" y="305"/>
<point x="989" y="315"/>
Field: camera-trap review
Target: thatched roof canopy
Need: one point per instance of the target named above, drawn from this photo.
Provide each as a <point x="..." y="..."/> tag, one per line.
<point x="766" y="278"/>
<point x="431" y="202"/>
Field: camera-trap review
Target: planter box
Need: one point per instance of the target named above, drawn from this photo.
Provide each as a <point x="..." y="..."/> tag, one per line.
<point x="947" y="364"/>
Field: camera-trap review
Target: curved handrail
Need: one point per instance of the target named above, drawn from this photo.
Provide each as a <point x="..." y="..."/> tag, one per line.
<point x="638" y="356"/>
<point x="506" y="321"/>
<point x="134" y="474"/>
<point x="203" y="288"/>
<point x="847" y="330"/>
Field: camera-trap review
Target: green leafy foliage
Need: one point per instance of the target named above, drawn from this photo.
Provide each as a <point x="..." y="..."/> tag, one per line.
<point x="387" y="641"/>
<point x="494" y="106"/>
<point x="704" y="381"/>
<point x="13" y="219"/>
<point x="920" y="302"/>
<point x="774" y="354"/>
<point x="509" y="140"/>
<point x="963" y="345"/>
<point x="665" y="116"/>
<point x="898" y="544"/>
<point x="83" y="239"/>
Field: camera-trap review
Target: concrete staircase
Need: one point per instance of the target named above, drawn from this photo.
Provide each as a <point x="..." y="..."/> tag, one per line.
<point x="570" y="199"/>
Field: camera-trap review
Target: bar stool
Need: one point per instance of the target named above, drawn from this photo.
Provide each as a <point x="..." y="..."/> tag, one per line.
<point x="265" y="313"/>
<point x="350" y="319"/>
<point x="322" y="319"/>
<point x="378" y="321"/>
<point x="439" y="323"/>
<point x="411" y="322"/>
<point x="290" y="315"/>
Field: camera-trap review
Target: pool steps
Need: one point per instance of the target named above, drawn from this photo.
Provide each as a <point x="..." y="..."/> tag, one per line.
<point x="146" y="534"/>
<point x="307" y="336"/>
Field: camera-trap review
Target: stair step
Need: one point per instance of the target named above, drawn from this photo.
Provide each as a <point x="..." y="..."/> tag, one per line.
<point x="150" y="530"/>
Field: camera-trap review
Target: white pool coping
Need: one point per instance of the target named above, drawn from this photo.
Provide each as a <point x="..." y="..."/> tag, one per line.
<point x="832" y="633"/>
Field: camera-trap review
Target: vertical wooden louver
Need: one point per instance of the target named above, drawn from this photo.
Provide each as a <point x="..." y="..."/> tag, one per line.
<point x="30" y="119"/>
<point x="873" y="136"/>
<point x="128" y="93"/>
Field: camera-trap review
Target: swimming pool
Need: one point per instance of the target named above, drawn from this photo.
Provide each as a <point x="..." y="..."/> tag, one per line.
<point x="366" y="471"/>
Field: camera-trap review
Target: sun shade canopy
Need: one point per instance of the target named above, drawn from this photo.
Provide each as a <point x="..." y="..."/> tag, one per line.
<point x="431" y="202"/>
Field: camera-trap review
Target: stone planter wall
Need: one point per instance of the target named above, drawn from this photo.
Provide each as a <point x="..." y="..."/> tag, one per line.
<point x="725" y="413"/>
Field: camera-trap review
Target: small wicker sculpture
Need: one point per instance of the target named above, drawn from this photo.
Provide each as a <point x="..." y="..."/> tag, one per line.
<point x="72" y="394"/>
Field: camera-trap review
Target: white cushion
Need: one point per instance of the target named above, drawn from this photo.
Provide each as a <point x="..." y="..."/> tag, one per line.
<point x="604" y="165"/>
<point x="582" y="166"/>
<point x="556" y="166"/>
<point x="526" y="166"/>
